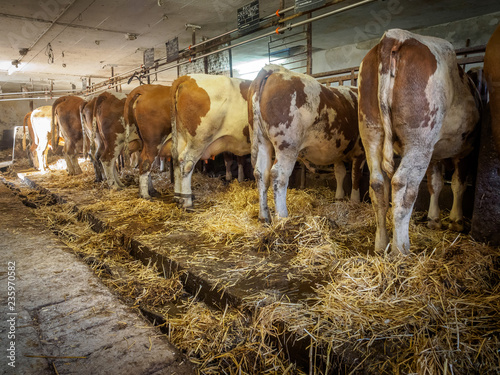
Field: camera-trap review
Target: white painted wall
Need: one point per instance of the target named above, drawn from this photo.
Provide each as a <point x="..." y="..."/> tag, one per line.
<point x="477" y="29"/>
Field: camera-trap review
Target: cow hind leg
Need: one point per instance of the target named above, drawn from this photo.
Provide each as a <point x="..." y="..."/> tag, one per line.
<point x="39" y="159"/>
<point x="280" y="174"/>
<point x="146" y="189"/>
<point x="405" y="184"/>
<point x="109" y="172"/>
<point x="228" y="162"/>
<point x="69" y="164"/>
<point x="118" y="181"/>
<point x="434" y="185"/>
<point x="458" y="187"/>
<point x="241" y="169"/>
<point x="340" y="173"/>
<point x="262" y="156"/>
<point x="357" y="172"/>
<point x="46" y="158"/>
<point x="73" y="161"/>
<point x="379" y="185"/>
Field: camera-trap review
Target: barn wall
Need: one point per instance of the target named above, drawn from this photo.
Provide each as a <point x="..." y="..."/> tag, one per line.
<point x="477" y="29"/>
<point x="12" y="114"/>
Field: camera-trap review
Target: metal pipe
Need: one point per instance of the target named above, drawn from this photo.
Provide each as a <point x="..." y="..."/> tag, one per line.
<point x="279" y="12"/>
<point x="35" y="92"/>
<point x="38" y="98"/>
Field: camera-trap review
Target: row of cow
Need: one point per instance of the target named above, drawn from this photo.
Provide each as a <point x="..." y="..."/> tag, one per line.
<point x="412" y="99"/>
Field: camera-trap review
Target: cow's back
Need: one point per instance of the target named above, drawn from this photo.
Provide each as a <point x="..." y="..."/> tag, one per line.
<point x="41" y="118"/>
<point x="296" y="112"/>
<point x="424" y="97"/>
<point x="153" y="103"/>
<point x="212" y="111"/>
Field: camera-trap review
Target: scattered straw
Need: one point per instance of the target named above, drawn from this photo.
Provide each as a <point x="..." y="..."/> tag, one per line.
<point x="436" y="311"/>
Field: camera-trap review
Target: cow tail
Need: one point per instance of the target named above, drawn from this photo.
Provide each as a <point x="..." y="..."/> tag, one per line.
<point x="54" y="128"/>
<point x="386" y="84"/>
<point x="254" y="113"/>
<point x="84" y="133"/>
<point x="129" y="119"/>
<point x="97" y="104"/>
<point x="173" y="120"/>
<point x="26" y="117"/>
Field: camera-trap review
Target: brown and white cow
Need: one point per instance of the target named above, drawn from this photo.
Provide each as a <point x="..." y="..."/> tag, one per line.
<point x="294" y="117"/>
<point x="209" y="116"/>
<point x="416" y="100"/>
<point x="492" y="75"/>
<point x="148" y="109"/>
<point x="66" y="119"/>
<point x="108" y="117"/>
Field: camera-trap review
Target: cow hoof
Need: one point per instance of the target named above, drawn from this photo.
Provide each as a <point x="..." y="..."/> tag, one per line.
<point x="265" y="220"/>
<point x="434" y="224"/>
<point x="154" y="193"/>
<point x="456" y="226"/>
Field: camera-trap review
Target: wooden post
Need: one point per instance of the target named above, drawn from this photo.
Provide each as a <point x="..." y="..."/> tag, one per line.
<point x="486" y="213"/>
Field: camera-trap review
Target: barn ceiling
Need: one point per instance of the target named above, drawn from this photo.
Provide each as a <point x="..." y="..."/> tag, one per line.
<point x="67" y="40"/>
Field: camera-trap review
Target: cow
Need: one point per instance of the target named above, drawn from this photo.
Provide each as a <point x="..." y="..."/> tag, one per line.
<point x="414" y="99"/>
<point x="66" y="120"/>
<point x="209" y="116"/>
<point x="38" y="123"/>
<point x="148" y="110"/>
<point x="492" y="76"/>
<point x="294" y="117"/>
<point x="87" y="117"/>
<point x="108" y="118"/>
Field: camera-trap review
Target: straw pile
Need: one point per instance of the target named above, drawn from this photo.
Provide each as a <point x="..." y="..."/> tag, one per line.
<point x="436" y="311"/>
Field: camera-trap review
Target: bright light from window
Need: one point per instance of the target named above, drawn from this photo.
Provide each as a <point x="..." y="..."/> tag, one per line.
<point x="13" y="69"/>
<point x="249" y="70"/>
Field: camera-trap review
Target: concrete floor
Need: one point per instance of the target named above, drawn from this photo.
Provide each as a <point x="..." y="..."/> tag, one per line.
<point x="62" y="319"/>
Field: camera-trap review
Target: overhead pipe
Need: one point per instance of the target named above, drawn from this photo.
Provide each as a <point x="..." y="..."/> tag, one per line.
<point x="36" y="92"/>
<point x="37" y="98"/>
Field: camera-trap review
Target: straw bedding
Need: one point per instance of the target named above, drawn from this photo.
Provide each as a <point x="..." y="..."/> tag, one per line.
<point x="436" y="311"/>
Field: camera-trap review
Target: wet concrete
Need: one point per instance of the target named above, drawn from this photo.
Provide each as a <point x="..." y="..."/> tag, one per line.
<point x="63" y="320"/>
